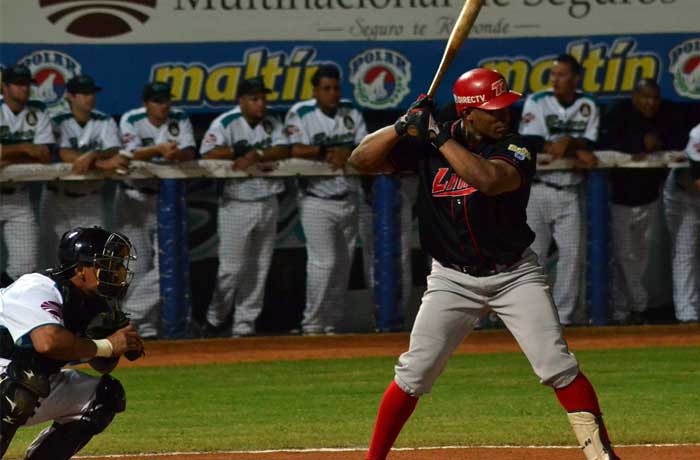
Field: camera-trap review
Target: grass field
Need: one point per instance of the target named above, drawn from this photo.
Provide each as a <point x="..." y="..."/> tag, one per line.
<point x="648" y="396"/>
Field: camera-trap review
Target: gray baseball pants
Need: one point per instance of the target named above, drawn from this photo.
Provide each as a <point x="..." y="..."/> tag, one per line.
<point x="454" y="302"/>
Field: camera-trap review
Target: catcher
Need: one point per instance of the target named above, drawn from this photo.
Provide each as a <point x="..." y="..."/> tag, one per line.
<point x="68" y="314"/>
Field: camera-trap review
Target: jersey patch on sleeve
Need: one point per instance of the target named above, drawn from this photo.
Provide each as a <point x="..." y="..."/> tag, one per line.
<point x="53" y="309"/>
<point x="520" y="153"/>
<point x="527" y="117"/>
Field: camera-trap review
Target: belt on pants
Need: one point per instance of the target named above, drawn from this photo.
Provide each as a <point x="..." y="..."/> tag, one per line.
<point x="555" y="186"/>
<point x="339" y="197"/>
<point x="9" y="190"/>
<point x="480" y="270"/>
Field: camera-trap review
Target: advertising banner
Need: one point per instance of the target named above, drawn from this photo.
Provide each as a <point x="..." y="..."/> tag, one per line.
<point x="200" y="21"/>
<point x="376" y="75"/>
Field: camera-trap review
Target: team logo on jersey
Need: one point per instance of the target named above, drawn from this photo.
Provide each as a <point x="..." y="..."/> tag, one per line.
<point x="53" y="309"/>
<point x="381" y="78"/>
<point x="685" y="67"/>
<point x="51" y="70"/>
<point x="95" y="19"/>
<point x="348" y="122"/>
<point x="585" y="110"/>
<point x="520" y="153"/>
<point x="267" y="126"/>
<point x="527" y="118"/>
<point x="31" y="118"/>
<point x="174" y="128"/>
<point x="452" y="185"/>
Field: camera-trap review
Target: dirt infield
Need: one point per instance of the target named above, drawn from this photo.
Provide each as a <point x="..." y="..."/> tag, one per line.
<point x="191" y="352"/>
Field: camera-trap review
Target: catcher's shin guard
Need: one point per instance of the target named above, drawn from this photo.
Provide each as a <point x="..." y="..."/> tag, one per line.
<point x="20" y="391"/>
<point x="587" y="428"/>
<point x="62" y="441"/>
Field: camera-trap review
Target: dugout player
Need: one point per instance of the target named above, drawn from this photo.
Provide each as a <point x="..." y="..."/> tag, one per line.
<point x="326" y="128"/>
<point x="155" y="132"/>
<point x="44" y="319"/>
<point x="475" y="180"/>
<point x="25" y="132"/>
<point x="681" y="197"/>
<point x="89" y="140"/>
<point x="641" y="127"/>
<point x="568" y="121"/>
<point x="248" y="209"/>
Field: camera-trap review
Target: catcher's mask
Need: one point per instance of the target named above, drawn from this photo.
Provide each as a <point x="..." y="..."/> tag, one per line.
<point x="109" y="253"/>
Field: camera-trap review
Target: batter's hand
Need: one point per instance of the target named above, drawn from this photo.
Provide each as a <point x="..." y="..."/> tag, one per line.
<point x="337" y="156"/>
<point x="418" y="117"/>
<point x="125" y="340"/>
<point x="585" y="159"/>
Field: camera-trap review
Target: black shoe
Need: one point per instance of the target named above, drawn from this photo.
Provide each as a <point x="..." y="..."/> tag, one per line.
<point x="210" y="331"/>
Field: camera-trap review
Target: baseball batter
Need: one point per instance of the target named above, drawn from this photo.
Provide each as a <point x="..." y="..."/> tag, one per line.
<point x="89" y="139"/>
<point x="248" y="209"/>
<point x="25" y="131"/>
<point x="154" y="132"/>
<point x="326" y="128"/>
<point x="568" y="121"/>
<point x="681" y="197"/>
<point x="44" y="321"/>
<point x="475" y="181"/>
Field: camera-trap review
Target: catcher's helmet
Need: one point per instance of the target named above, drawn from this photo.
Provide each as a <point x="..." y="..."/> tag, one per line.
<point x="483" y="89"/>
<point x="108" y="252"/>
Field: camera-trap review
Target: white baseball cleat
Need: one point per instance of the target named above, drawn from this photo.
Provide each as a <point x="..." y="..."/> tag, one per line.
<point x="587" y="429"/>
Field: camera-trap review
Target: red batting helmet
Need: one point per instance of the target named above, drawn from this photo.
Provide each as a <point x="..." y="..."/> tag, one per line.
<point x="484" y="89"/>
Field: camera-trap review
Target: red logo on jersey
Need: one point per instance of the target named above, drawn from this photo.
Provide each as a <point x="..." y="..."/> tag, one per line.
<point x="450" y="186"/>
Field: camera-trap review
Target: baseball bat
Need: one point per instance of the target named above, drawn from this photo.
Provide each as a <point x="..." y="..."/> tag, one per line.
<point x="459" y="33"/>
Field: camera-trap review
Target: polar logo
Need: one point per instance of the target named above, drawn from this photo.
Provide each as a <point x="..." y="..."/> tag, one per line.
<point x="94" y="19"/>
<point x="51" y="69"/>
<point x="685" y="67"/>
<point x="380" y="77"/>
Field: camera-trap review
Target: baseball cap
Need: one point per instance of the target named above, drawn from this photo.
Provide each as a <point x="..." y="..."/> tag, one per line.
<point x="252" y="86"/>
<point x="18" y="73"/>
<point x="83" y="84"/>
<point x="157" y="90"/>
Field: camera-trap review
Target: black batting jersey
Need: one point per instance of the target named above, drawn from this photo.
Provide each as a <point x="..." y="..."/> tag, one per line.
<point x="458" y="224"/>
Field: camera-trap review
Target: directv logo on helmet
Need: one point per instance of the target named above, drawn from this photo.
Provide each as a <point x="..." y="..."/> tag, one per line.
<point x="380" y="77"/>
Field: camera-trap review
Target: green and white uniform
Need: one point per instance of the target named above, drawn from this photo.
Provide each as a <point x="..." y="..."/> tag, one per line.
<point x="18" y="224"/>
<point x="247" y="222"/>
<point x="136" y="213"/>
<point x="67" y="204"/>
<point x="328" y="209"/>
<point x="554" y="210"/>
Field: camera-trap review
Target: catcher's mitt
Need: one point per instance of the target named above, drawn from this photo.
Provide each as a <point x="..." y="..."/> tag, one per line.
<point x="107" y="323"/>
